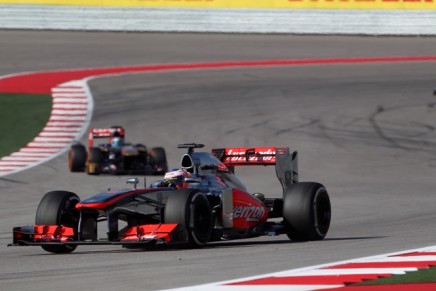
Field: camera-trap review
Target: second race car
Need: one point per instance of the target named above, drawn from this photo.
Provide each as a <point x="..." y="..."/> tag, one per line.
<point x="115" y="156"/>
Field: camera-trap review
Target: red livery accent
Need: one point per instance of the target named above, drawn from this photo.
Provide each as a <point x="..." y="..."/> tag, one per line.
<point x="373" y="265"/>
<point x="53" y="233"/>
<point x="150" y="231"/>
<point x="103" y="133"/>
<point x="414" y="254"/>
<point x="43" y="82"/>
<point x="393" y="287"/>
<point x="313" y="280"/>
<point x="44" y="233"/>
<point x="249" y="156"/>
<point x="247" y="211"/>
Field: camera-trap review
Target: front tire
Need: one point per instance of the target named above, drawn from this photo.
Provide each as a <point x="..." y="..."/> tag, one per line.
<point x="58" y="208"/>
<point x="306" y="211"/>
<point x="191" y="209"/>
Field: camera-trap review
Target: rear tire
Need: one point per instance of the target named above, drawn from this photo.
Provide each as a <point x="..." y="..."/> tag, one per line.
<point x="191" y="209"/>
<point x="159" y="160"/>
<point x="95" y="160"/>
<point x="77" y="158"/>
<point x="58" y="208"/>
<point x="306" y="211"/>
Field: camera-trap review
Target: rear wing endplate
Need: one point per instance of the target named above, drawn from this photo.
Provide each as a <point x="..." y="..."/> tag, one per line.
<point x="286" y="164"/>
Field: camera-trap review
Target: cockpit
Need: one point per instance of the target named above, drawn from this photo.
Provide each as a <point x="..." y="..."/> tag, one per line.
<point x="209" y="168"/>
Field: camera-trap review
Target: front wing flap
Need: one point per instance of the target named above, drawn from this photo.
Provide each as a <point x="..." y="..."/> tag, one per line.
<point x="42" y="233"/>
<point x="137" y="236"/>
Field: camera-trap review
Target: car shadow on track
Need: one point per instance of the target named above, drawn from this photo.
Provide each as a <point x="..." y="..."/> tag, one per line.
<point x="284" y="241"/>
<point x="211" y="245"/>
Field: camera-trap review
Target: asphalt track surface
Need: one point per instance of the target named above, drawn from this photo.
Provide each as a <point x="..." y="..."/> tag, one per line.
<point x="366" y="131"/>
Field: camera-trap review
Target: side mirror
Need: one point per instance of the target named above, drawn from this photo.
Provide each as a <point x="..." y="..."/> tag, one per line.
<point x="133" y="181"/>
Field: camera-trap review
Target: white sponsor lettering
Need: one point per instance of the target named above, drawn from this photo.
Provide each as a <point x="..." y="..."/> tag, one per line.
<point x="265" y="156"/>
<point x="250" y="213"/>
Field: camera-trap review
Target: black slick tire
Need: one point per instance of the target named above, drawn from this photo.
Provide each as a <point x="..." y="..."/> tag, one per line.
<point x="77" y="158"/>
<point x="58" y="208"/>
<point x="95" y="159"/>
<point x="159" y="160"/>
<point x="191" y="209"/>
<point x="306" y="211"/>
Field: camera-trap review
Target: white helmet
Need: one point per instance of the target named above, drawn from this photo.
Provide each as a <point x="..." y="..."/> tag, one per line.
<point x="176" y="175"/>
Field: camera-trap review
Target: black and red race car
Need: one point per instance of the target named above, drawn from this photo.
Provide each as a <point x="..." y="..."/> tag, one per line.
<point x="203" y="201"/>
<point x="115" y="156"/>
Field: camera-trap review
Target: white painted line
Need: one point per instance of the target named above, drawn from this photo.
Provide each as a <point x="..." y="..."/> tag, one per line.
<point x="319" y="270"/>
<point x="66" y="129"/>
<point x="266" y="288"/>
<point x="67" y="118"/>
<point x="258" y="288"/>
<point x="402" y="259"/>
<point x="44" y="141"/>
<point x="67" y="90"/>
<point x="72" y="110"/>
<point x="39" y="150"/>
<point x="54" y="140"/>
<point x="13" y="164"/>
<point x="66" y="113"/>
<point x="20" y="159"/>
<point x="28" y="154"/>
<point x="74" y="96"/>
<point x="40" y="145"/>
<point x="61" y="124"/>
<point x="352" y="271"/>
<point x="8" y="169"/>
<point x="76" y="100"/>
<point x="60" y="134"/>
<point x="68" y="106"/>
<point x="74" y="83"/>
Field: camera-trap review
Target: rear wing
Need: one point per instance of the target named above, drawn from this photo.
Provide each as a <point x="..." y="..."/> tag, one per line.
<point x="103" y="133"/>
<point x="286" y="164"/>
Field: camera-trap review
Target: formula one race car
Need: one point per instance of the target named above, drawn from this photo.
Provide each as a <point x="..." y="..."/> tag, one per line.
<point x="203" y="201"/>
<point x="115" y="156"/>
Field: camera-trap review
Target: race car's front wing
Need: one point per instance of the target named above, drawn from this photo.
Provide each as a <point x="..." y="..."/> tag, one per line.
<point x="136" y="236"/>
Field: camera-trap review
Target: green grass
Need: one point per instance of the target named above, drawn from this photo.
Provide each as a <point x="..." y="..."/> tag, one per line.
<point x="22" y="117"/>
<point x="420" y="276"/>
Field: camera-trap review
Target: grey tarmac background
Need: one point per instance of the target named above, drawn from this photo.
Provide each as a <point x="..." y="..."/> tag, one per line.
<point x="367" y="131"/>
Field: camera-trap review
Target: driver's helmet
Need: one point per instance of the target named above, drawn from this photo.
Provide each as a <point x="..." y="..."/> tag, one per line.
<point x="117" y="140"/>
<point x="176" y="177"/>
